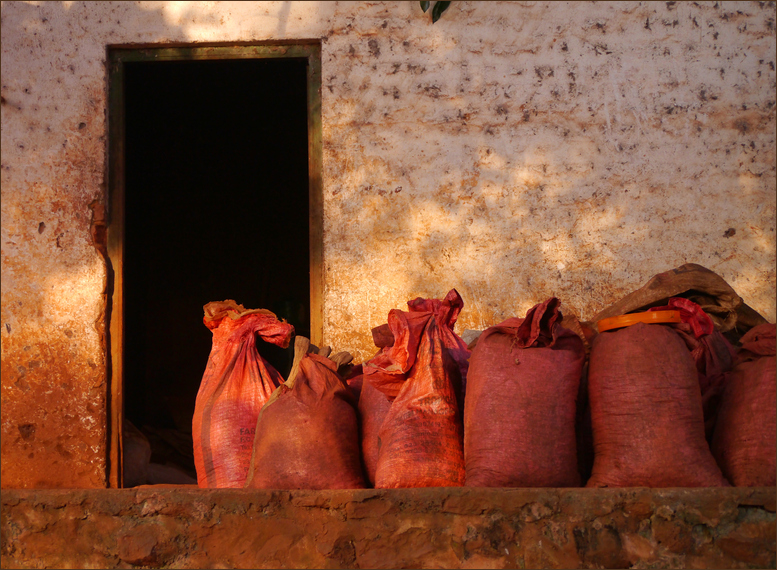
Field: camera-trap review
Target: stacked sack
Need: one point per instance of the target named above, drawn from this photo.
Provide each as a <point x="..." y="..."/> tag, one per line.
<point x="646" y="404"/>
<point x="666" y="407"/>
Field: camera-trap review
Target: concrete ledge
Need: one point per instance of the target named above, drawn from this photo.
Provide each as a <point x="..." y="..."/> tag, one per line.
<point x="187" y="527"/>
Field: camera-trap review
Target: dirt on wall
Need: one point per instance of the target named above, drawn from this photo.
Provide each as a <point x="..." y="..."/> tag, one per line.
<point x="54" y="389"/>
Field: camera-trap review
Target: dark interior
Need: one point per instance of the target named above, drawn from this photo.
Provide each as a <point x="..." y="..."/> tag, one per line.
<point x="216" y="208"/>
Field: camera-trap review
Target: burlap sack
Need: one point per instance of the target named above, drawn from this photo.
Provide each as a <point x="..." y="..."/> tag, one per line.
<point x="646" y="412"/>
<point x="236" y="384"/>
<point x="520" y="410"/>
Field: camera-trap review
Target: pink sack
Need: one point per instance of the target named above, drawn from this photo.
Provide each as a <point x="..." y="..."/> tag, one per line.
<point x="520" y="410"/>
<point x="646" y="412"/>
<point x="236" y="384"/>
<point x="746" y="432"/>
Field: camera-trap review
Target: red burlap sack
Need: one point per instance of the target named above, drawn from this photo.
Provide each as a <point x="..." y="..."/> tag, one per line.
<point x="236" y="384"/>
<point x="712" y="353"/>
<point x="374" y="406"/>
<point x="519" y="415"/>
<point x="307" y="435"/>
<point x="446" y="312"/>
<point x="745" y="436"/>
<point x="420" y="440"/>
<point x="646" y="412"/>
<point x="389" y="368"/>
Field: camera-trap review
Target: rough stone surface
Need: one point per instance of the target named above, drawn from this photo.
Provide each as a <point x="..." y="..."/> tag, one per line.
<point x="410" y="528"/>
<point x="513" y="150"/>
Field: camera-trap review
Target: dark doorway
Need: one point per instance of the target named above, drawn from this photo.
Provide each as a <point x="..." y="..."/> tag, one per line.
<point x="216" y="189"/>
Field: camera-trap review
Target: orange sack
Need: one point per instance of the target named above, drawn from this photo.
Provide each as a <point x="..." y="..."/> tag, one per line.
<point x="307" y="435"/>
<point x="236" y="384"/>
<point x="746" y="432"/>
<point x="519" y="416"/>
<point x="420" y="441"/>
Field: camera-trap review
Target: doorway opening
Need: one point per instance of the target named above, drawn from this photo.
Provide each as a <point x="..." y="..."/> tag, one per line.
<point x="215" y="194"/>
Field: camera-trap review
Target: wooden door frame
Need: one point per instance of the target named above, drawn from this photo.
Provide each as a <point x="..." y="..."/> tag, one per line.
<point x="117" y="56"/>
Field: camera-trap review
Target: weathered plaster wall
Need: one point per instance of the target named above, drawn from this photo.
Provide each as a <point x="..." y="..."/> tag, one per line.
<point x="513" y="150"/>
<point x="522" y="150"/>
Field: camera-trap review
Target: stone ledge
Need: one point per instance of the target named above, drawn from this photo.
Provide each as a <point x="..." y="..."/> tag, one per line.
<point x="187" y="527"/>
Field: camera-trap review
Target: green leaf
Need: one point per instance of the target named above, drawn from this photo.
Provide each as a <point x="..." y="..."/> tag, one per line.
<point x="439" y="8"/>
<point x="424" y="6"/>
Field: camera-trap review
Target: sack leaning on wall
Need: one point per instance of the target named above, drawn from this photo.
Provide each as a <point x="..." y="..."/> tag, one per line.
<point x="697" y="291"/>
<point x="520" y="409"/>
<point x="646" y="412"/>
<point x="236" y="384"/>
<point x="731" y="316"/>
